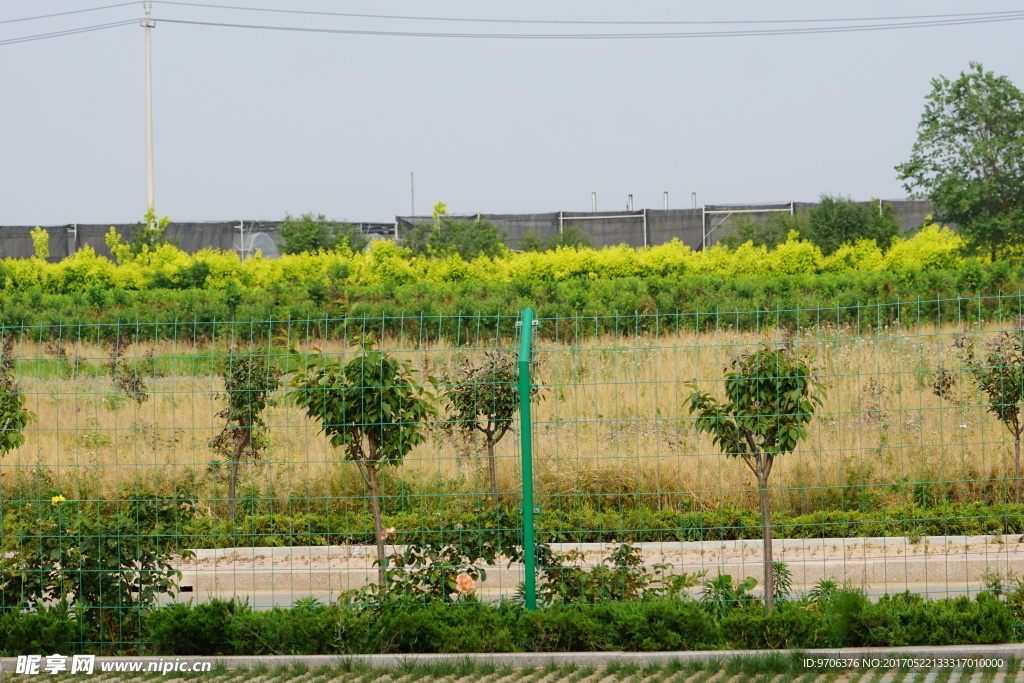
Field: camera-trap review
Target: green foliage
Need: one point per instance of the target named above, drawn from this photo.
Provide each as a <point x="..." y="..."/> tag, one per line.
<point x="484" y="398"/>
<point x="775" y="230"/>
<point x="371" y="408"/>
<point x="721" y="594"/>
<point x="103" y="564"/>
<point x="999" y="373"/>
<point x="771" y="395"/>
<point x="967" y="158"/>
<point x="47" y="629"/>
<point x="782" y="580"/>
<point x="14" y="416"/>
<point x="313" y="232"/>
<point x="571" y="237"/>
<point x="40" y="243"/>
<point x="428" y="568"/>
<point x="227" y="627"/>
<point x="622" y="575"/>
<point x="469" y="239"/>
<point x="847" y="620"/>
<point x="837" y="221"/>
<point x="249" y="376"/>
<point x="149" y="235"/>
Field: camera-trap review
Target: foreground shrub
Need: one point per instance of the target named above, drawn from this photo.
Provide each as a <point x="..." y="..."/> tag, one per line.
<point x="46" y="630"/>
<point x="846" y="619"/>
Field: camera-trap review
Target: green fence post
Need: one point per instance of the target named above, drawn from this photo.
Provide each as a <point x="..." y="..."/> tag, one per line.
<point x="525" y="434"/>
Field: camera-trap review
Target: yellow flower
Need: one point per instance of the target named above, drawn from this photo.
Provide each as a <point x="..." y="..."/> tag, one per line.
<point x="57" y="499"/>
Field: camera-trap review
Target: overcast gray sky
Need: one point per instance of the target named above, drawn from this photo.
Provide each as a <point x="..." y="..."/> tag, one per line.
<point x="256" y="123"/>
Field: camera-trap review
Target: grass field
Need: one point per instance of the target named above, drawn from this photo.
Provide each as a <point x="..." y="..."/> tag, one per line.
<point x="611" y="426"/>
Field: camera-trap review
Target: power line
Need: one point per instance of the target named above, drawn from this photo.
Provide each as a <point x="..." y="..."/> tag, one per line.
<point x="68" y="32"/>
<point x="979" y="15"/>
<point x="888" y="23"/>
<point x="1017" y="16"/>
<point x="64" y="14"/>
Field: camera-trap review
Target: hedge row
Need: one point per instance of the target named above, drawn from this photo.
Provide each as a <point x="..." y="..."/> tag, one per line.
<point x="847" y="619"/>
<point x="474" y="311"/>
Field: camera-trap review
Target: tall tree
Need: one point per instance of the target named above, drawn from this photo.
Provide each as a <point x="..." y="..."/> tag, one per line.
<point x="969" y="157"/>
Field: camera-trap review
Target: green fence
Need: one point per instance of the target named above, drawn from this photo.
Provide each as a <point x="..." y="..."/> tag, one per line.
<point x="198" y="447"/>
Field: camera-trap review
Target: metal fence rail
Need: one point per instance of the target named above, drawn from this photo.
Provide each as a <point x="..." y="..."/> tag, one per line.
<point x="905" y="480"/>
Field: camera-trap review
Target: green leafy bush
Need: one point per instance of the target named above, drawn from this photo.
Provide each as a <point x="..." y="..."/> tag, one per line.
<point x="46" y="630"/>
<point x="845" y="620"/>
<point x="99" y="561"/>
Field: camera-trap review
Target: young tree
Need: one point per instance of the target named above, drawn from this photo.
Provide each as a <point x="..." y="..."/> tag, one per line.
<point x="771" y="395"/>
<point x="14" y="417"/>
<point x="999" y="372"/>
<point x="484" y="398"/>
<point x="969" y="157"/>
<point x="571" y="236"/>
<point x="372" y="408"/>
<point x="40" y="243"/>
<point x="838" y="220"/>
<point x="149" y="235"/>
<point x="249" y="377"/>
<point x="467" y="238"/>
<point x="311" y="232"/>
<point x="773" y="232"/>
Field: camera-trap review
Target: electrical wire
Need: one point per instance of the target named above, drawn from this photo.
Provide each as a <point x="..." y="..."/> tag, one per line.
<point x="64" y="14"/>
<point x="588" y="22"/>
<point x="68" y="32"/>
<point x="886" y="23"/>
<point x="612" y="36"/>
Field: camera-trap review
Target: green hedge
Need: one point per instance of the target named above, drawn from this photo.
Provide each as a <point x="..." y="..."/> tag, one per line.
<point x="594" y="526"/>
<point x="172" y="526"/>
<point x="847" y="620"/>
<point x="585" y="306"/>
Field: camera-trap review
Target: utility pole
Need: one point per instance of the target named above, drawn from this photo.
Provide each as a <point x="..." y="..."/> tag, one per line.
<point x="412" y="194"/>
<point x="147" y="23"/>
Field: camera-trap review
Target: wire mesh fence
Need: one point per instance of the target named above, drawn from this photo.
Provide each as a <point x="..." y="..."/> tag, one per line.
<point x="369" y="460"/>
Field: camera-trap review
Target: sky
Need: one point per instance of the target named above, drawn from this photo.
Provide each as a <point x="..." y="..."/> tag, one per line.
<point x="257" y="124"/>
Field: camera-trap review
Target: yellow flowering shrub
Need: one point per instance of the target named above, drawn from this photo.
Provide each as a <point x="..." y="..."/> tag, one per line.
<point x="386" y="263"/>
<point x="933" y="247"/>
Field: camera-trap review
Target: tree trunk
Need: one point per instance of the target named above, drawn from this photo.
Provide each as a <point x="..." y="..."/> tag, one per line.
<point x="766" y="532"/>
<point x="236" y="457"/>
<point x="492" y="469"/>
<point x="370" y="472"/>
<point x="1016" y="469"/>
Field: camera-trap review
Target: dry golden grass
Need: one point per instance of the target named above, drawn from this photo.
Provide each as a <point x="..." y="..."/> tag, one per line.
<point x="611" y="425"/>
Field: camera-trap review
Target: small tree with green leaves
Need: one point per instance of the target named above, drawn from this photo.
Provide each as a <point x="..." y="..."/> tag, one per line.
<point x="571" y="236"/>
<point x="998" y="368"/>
<point x="14" y="416"/>
<point x="311" y="232"/>
<point x="771" y="395"/>
<point x="250" y="376"/>
<point x="838" y="220"/>
<point x="40" y="243"/>
<point x="485" y="398"/>
<point x="372" y="408"/>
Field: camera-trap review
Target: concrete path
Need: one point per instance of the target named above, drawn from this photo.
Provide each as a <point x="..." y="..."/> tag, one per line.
<point x="937" y="566"/>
